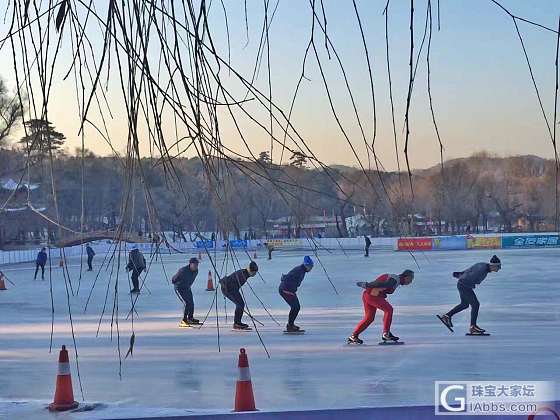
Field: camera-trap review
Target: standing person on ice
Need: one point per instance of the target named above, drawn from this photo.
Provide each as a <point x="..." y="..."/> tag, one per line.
<point x="269" y="248"/>
<point x="289" y="284"/>
<point x="375" y="297"/>
<point x="230" y="286"/>
<point x="182" y="281"/>
<point x="136" y="264"/>
<point x="90" y="254"/>
<point x="467" y="281"/>
<point x="368" y="244"/>
<point x="40" y="262"/>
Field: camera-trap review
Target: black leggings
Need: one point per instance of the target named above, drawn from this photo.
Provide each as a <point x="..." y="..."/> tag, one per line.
<point x="186" y="295"/>
<point x="468" y="297"/>
<point x="235" y="297"/>
<point x="293" y="301"/>
<point x="135" y="275"/>
<point x="42" y="270"/>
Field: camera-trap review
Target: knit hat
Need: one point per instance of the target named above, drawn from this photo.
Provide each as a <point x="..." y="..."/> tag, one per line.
<point x="308" y="261"/>
<point x="193" y="260"/>
<point x="253" y="267"/>
<point x="495" y="261"/>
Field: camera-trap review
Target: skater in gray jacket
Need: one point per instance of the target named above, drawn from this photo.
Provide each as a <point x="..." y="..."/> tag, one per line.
<point x="467" y="281"/>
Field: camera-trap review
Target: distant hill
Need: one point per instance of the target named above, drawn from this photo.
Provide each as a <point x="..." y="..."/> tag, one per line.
<point x="344" y="168"/>
<point x="519" y="166"/>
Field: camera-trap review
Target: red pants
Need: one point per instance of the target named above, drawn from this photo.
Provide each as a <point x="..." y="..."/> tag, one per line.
<point x="371" y="304"/>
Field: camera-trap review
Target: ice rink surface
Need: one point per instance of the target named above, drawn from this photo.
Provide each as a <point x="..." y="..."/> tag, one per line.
<point x="174" y="371"/>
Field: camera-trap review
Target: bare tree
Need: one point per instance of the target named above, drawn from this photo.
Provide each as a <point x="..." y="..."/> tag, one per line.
<point x="10" y="113"/>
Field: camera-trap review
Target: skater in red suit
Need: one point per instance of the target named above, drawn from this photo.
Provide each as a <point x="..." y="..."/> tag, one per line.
<point x="375" y="297"/>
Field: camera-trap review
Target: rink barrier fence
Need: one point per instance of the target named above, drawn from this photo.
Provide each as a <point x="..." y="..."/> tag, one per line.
<point x="425" y="412"/>
<point x="439" y="243"/>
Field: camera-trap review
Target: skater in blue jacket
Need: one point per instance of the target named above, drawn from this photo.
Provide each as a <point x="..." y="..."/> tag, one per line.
<point x="40" y="262"/>
<point x="289" y="284"/>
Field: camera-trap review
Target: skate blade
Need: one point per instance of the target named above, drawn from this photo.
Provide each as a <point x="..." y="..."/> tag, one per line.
<point x="446" y="326"/>
<point x="474" y="335"/>
<point x="244" y="330"/>
<point x="190" y="325"/>
<point x="293" y="332"/>
<point x="390" y="343"/>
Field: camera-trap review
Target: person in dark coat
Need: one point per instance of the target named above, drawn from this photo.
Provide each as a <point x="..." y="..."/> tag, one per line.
<point x="289" y="284"/>
<point x="90" y="254"/>
<point x="269" y="248"/>
<point x="230" y="286"/>
<point x="467" y="281"/>
<point x="136" y="264"/>
<point x="368" y="244"/>
<point x="40" y="262"/>
<point x="183" y="281"/>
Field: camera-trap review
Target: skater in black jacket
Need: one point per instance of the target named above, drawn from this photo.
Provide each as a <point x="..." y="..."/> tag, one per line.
<point x="182" y="281"/>
<point x="467" y="281"/>
<point x="230" y="286"/>
<point x="368" y="244"/>
<point x="136" y="264"/>
<point x="90" y="254"/>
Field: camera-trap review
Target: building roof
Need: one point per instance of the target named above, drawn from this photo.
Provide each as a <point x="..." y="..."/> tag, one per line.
<point x="20" y="209"/>
<point x="11" y="185"/>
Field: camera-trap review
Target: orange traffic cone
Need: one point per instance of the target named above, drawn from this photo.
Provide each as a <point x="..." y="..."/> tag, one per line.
<point x="244" y="399"/>
<point x="2" y="283"/>
<point x="210" y="284"/>
<point x="63" y="396"/>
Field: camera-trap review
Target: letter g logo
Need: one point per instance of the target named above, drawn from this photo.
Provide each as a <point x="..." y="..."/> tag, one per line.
<point x="461" y="400"/>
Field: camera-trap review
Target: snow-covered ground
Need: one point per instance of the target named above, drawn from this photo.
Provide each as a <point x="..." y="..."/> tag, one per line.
<point x="174" y="371"/>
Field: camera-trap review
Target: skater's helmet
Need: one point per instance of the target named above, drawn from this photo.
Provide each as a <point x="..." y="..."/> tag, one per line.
<point x="495" y="263"/>
<point x="407" y="274"/>
<point x="253" y="268"/>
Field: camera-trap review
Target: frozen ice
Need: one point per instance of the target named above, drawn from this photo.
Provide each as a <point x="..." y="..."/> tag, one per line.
<point x="177" y="371"/>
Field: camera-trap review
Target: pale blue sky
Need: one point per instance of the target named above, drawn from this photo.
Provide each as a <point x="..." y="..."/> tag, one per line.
<point x="483" y="96"/>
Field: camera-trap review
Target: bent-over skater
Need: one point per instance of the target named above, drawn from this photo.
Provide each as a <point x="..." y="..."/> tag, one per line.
<point x="289" y="284"/>
<point x="182" y="282"/>
<point x="375" y="297"/>
<point x="230" y="286"/>
<point x="467" y="281"/>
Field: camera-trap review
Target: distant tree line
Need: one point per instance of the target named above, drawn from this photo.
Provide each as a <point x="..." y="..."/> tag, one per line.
<point x="230" y="196"/>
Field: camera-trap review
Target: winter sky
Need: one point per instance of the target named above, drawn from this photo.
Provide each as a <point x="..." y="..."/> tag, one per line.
<point x="481" y="87"/>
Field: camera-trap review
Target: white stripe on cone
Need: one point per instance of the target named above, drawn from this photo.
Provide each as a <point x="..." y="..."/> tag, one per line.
<point x="64" y="368"/>
<point x="244" y="374"/>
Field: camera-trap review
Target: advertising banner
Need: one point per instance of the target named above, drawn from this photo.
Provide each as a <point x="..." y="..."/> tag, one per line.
<point x="450" y="243"/>
<point x="204" y="244"/>
<point x="489" y="242"/>
<point x="415" y="244"/>
<point x="536" y="241"/>
<point x="285" y="243"/>
<point x="238" y="243"/>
